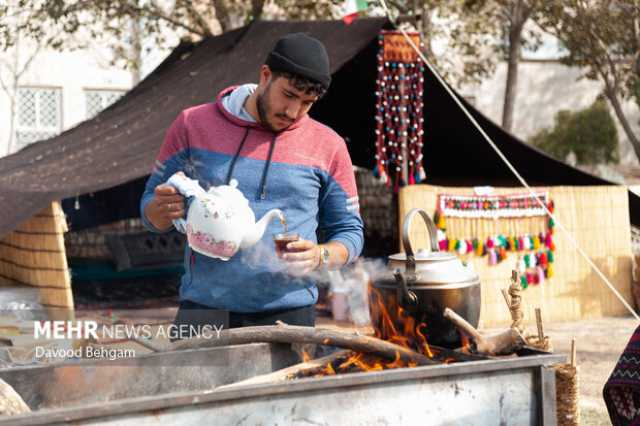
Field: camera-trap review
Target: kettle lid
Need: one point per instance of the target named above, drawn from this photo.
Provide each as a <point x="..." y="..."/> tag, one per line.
<point x="426" y="256"/>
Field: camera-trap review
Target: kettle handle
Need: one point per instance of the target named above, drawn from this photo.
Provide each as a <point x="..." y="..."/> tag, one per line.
<point x="406" y="243"/>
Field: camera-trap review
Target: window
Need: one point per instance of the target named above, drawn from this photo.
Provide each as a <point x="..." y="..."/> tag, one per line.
<point x="97" y="100"/>
<point x="39" y="114"/>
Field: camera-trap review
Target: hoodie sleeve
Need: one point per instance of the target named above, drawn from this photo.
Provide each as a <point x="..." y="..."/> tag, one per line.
<point x="339" y="209"/>
<point x="171" y="159"/>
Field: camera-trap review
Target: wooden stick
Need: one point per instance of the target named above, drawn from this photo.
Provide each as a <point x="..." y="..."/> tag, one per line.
<point x="298" y="334"/>
<point x="287" y="372"/>
<point x="503" y="343"/>
<point x="539" y="324"/>
<point x="573" y="352"/>
<point x="507" y="300"/>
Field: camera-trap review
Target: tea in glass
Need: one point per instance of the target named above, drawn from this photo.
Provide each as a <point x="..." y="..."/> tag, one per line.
<point x="281" y="241"/>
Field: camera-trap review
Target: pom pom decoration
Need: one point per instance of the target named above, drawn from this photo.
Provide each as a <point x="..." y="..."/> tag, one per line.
<point x="540" y="271"/>
<point x="536" y="242"/>
<point x="535" y="250"/>
<point x="493" y="258"/>
<point x="523" y="281"/>
<point x="399" y="109"/>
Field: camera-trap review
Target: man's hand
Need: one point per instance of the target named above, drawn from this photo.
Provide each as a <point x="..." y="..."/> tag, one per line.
<point x="302" y="257"/>
<point x="167" y="204"/>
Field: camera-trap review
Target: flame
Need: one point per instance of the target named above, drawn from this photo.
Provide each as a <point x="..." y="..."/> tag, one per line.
<point x="391" y="323"/>
<point x="466" y="344"/>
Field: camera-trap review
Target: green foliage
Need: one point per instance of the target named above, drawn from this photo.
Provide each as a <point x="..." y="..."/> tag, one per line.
<point x="589" y="133"/>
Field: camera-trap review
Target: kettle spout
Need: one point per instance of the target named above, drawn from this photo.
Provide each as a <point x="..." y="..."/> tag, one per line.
<point x="254" y="234"/>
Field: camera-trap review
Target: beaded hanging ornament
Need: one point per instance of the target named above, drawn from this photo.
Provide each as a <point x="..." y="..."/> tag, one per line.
<point x="399" y="110"/>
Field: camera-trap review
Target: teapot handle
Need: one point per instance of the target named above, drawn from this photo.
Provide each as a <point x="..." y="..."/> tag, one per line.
<point x="406" y="243"/>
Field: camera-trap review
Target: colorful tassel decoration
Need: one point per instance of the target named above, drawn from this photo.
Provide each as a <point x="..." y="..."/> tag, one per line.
<point x="439" y="220"/>
<point x="503" y="253"/>
<point x="520" y="244"/>
<point x="540" y="271"/>
<point x="480" y="249"/>
<point x="489" y="243"/>
<point x="384" y="178"/>
<point x="493" y="258"/>
<point x="533" y="262"/>
<point x="550" y="256"/>
<point x="522" y="266"/>
<point x="543" y="259"/>
<point x="551" y="206"/>
<point x="527" y="260"/>
<point x="536" y="242"/>
<point x="443" y="245"/>
<point x="469" y="247"/>
<point x="523" y="281"/>
<point x="461" y="247"/>
<point x="550" y="270"/>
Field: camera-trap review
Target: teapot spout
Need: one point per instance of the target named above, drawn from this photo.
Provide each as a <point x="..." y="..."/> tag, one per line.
<point x="254" y="234"/>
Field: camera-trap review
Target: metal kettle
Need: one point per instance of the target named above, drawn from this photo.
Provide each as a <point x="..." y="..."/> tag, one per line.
<point x="427" y="281"/>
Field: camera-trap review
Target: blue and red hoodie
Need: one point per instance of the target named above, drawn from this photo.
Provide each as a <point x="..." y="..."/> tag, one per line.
<point x="305" y="171"/>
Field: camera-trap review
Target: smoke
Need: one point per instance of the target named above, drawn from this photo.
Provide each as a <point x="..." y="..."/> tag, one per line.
<point x="262" y="256"/>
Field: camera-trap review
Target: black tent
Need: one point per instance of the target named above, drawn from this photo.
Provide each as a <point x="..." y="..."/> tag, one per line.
<point x="103" y="162"/>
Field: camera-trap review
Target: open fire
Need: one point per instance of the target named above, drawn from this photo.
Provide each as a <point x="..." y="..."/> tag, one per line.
<point x="391" y="323"/>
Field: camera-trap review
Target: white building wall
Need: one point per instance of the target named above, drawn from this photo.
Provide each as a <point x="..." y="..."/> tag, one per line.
<point x="72" y="72"/>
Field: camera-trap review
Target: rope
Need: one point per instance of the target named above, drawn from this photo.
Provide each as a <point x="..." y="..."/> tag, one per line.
<point x="509" y="165"/>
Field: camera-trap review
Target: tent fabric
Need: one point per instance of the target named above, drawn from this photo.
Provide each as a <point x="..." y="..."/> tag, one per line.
<point x="103" y="162"/>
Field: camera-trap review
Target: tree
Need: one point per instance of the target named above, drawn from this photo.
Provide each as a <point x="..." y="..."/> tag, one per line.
<point x="478" y="34"/>
<point x="603" y="38"/>
<point x="590" y="134"/>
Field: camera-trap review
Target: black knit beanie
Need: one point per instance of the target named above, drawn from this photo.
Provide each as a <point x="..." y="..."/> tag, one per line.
<point x="301" y="55"/>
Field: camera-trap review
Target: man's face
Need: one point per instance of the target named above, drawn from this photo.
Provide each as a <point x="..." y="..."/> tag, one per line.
<point x="279" y="103"/>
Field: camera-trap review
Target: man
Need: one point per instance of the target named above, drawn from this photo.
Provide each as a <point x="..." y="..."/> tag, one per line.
<point x="261" y="136"/>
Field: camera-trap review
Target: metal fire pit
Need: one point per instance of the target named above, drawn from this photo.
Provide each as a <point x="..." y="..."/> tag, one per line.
<point x="154" y="390"/>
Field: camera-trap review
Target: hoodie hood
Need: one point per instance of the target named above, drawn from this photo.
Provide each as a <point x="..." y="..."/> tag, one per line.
<point x="233" y="117"/>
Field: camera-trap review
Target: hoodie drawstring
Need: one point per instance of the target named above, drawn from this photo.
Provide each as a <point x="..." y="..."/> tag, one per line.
<point x="265" y="172"/>
<point x="263" y="181"/>
<point x="235" y="158"/>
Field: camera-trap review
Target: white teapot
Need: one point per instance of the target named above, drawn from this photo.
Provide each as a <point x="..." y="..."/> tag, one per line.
<point x="220" y="221"/>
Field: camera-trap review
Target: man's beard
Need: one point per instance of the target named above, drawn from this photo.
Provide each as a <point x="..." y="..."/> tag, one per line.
<point x="262" y="105"/>
<point x="263" y="108"/>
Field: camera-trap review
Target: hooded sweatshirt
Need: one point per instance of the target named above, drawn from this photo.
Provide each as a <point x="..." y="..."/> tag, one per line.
<point x="304" y="170"/>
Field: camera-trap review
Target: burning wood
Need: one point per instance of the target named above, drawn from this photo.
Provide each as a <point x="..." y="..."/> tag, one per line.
<point x="503" y="343"/>
<point x="298" y="334"/>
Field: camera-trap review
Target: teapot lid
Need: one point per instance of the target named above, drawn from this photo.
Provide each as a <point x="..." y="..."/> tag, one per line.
<point x="230" y="192"/>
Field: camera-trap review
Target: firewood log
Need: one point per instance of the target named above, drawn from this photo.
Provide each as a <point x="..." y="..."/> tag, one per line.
<point x="299" y="334"/>
<point x="503" y="343"/>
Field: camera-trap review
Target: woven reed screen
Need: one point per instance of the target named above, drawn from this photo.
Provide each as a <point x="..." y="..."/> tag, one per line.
<point x="34" y="255"/>
<point x="597" y="216"/>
